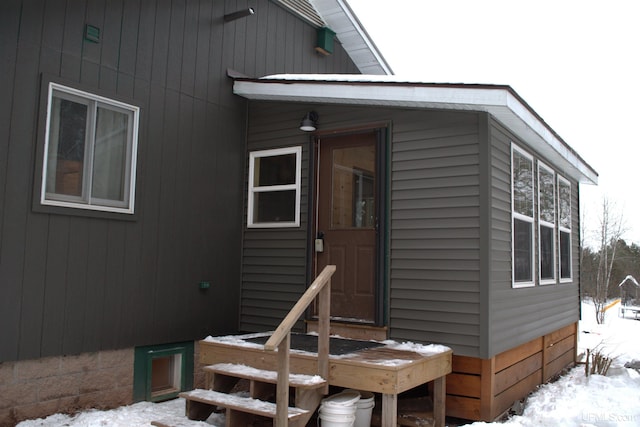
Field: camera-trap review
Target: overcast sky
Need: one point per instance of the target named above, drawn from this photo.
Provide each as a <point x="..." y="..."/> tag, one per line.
<point x="576" y="63"/>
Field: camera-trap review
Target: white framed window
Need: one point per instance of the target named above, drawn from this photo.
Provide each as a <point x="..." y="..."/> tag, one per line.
<point x="564" y="229"/>
<point x="90" y="151"/>
<point x="546" y="224"/>
<point x="522" y="202"/>
<point x="274" y="188"/>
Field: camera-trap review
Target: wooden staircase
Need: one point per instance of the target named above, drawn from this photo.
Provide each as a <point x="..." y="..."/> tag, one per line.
<point x="240" y="410"/>
<point x="384" y="369"/>
<point x="269" y="391"/>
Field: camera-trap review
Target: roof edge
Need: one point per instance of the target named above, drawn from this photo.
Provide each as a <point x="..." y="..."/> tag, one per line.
<point x="501" y="101"/>
<point x="339" y="16"/>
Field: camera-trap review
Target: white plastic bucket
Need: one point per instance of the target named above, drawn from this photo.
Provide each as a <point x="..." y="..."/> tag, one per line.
<point x="331" y="420"/>
<point x="364" y="409"/>
<point x="339" y="410"/>
<point x="344" y="398"/>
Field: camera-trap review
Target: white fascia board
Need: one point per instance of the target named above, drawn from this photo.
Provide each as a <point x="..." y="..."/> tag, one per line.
<point x="368" y="94"/>
<point x="498" y="101"/>
<point x="548" y="143"/>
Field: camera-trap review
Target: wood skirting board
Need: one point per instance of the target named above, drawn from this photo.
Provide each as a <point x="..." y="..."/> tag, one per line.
<point x="484" y="389"/>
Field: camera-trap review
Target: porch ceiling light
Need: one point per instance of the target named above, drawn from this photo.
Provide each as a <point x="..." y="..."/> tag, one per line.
<point x="239" y="14"/>
<point x="309" y="122"/>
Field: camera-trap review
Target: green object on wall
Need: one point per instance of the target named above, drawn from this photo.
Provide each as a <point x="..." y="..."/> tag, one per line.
<point x="92" y="33"/>
<point x="325" y="40"/>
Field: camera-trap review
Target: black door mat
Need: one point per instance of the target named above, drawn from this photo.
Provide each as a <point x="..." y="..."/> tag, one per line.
<point x="337" y="346"/>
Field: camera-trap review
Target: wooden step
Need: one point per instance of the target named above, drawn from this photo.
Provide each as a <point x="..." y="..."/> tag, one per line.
<point x="201" y="403"/>
<point x="271" y="377"/>
<point x="179" y="423"/>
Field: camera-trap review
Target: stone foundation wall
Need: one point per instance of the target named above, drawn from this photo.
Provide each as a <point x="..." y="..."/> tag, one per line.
<point x="38" y="388"/>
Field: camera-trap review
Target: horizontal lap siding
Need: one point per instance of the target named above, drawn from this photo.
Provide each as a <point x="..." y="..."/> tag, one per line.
<point x="274" y="260"/>
<point x="435" y="235"/>
<point x="72" y="282"/>
<point x="520" y="315"/>
<point x="271" y="288"/>
<point x="434" y="223"/>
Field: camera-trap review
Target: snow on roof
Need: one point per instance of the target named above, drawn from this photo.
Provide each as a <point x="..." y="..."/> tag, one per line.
<point x="501" y="101"/>
<point x="631" y="279"/>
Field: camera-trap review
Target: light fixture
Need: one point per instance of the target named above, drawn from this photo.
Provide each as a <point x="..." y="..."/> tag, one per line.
<point x="309" y="122"/>
<point x="239" y="14"/>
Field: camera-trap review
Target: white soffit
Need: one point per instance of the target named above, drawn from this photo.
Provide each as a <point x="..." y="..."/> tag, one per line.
<point x="352" y="36"/>
<point x="500" y="101"/>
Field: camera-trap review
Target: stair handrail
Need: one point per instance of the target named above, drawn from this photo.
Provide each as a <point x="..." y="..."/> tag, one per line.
<point x="281" y="339"/>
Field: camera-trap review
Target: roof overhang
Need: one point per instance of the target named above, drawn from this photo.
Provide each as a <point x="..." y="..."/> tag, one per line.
<point x="352" y="35"/>
<point x="501" y="102"/>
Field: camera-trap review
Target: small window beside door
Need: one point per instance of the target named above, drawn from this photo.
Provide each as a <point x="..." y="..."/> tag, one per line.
<point x="274" y="188"/>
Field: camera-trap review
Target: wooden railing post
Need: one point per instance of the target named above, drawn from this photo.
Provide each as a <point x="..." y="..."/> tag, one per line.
<point x="282" y="390"/>
<point x="324" y="313"/>
<point x="281" y="340"/>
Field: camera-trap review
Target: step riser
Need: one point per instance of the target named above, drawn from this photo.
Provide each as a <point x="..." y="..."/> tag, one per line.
<point x="221" y="378"/>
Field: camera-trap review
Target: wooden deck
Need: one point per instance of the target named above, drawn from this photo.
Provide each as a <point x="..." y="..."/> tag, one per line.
<point x="387" y="370"/>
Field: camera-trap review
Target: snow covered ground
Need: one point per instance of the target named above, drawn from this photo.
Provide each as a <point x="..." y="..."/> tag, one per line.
<point x="573" y="401"/>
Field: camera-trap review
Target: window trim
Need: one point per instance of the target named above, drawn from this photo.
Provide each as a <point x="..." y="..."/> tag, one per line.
<point x="131" y="155"/>
<point x="562" y="229"/>
<point x="544" y="223"/>
<point x="531" y="220"/>
<point x="252" y="190"/>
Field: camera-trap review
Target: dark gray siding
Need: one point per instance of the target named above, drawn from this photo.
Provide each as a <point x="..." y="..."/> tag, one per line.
<point x="434" y="267"/>
<point x="450" y="232"/>
<point x="517" y="316"/>
<point x="275" y="263"/>
<point x="274" y="260"/>
<point x="73" y="282"/>
<point x="435" y="229"/>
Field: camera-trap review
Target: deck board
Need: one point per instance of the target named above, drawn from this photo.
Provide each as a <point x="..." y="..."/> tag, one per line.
<point x="383" y="369"/>
<point x="388" y="369"/>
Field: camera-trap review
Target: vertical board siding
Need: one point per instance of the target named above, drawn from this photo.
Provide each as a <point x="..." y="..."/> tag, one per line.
<point x="22" y="35"/>
<point x="521" y="315"/>
<point x="72" y="281"/>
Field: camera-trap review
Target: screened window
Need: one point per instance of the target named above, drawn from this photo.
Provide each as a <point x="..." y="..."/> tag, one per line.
<point x="274" y="188"/>
<point x="522" y="217"/>
<point x="564" y="228"/>
<point x="90" y="151"/>
<point x="546" y="218"/>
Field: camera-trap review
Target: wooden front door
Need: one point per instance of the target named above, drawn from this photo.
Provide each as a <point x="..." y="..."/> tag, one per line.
<point x="347" y="222"/>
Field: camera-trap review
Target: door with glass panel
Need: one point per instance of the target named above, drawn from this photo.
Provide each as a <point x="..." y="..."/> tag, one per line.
<point x="347" y="222"/>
